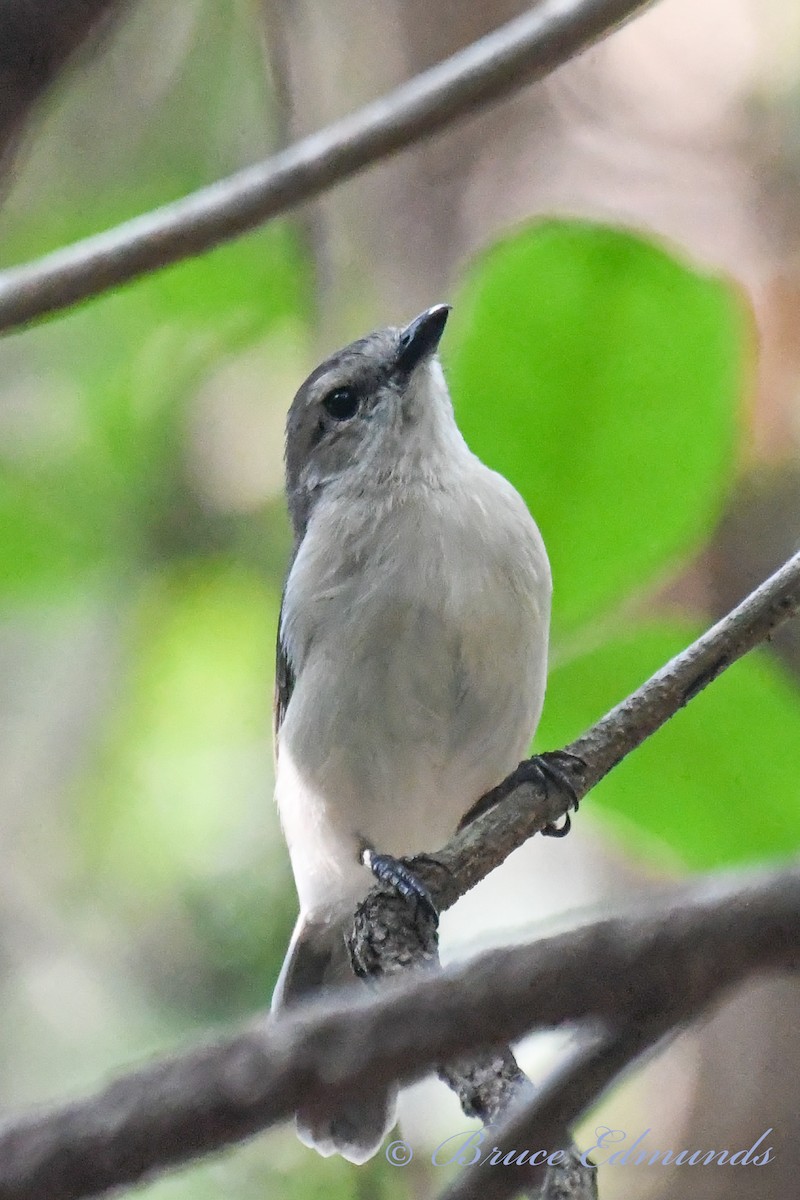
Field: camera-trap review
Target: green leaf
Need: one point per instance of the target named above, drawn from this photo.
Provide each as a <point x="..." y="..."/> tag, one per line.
<point x="127" y="365"/>
<point x="603" y="377"/>
<point x="717" y="785"/>
<point x="142" y="351"/>
<point x="89" y="489"/>
<point x="45" y="535"/>
<point x="177" y="812"/>
<point x="187" y="757"/>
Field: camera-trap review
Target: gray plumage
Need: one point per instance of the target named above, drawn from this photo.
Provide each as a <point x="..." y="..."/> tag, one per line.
<point x="412" y="648"/>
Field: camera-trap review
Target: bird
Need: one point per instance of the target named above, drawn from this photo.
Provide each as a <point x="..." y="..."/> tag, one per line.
<point x="411" y="653"/>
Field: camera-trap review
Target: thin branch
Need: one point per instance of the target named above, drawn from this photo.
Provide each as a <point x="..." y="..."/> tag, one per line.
<point x="488" y="1084"/>
<point x="389" y="936"/>
<point x="537" y="1124"/>
<point x="670" y="958"/>
<point x="545" y="1120"/>
<point x="669" y="963"/>
<point x="524" y="50"/>
<point x="487" y="841"/>
<point x="37" y="38"/>
<point x="570" y="1180"/>
<point x="174" y="1110"/>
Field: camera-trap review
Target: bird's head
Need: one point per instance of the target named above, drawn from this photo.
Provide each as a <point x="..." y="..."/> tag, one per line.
<point x="367" y="410"/>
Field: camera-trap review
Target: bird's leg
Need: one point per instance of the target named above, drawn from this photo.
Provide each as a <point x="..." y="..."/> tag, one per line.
<point x="552" y="766"/>
<point x="398" y="875"/>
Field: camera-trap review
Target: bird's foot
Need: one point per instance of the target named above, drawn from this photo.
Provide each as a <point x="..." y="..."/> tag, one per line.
<point x="399" y="876"/>
<point x="550" y="767"/>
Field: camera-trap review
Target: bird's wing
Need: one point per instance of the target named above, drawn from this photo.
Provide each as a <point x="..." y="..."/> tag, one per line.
<point x="284" y="682"/>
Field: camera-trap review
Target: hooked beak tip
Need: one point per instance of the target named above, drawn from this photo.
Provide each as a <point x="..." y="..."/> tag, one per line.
<point x="420" y="339"/>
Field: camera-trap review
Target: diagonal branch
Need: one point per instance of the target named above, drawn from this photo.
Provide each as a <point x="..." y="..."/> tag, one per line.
<point x="669" y="962"/>
<point x="543" y="1123"/>
<point x="384" y="929"/>
<point x="672" y="958"/>
<point x="388" y="936"/>
<point x="524" y="50"/>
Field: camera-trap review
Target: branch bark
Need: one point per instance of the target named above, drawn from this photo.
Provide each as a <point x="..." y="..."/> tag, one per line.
<point x="520" y="52"/>
<point x="544" y="1122"/>
<point x="387" y="932"/>
<point x="389" y="936"/>
<point x="670" y="958"/>
<point x="669" y="962"/>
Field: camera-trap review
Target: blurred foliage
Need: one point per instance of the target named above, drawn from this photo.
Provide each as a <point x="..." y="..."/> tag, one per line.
<point x="196" y="710"/>
<point x="100" y="471"/>
<point x="713" y="787"/>
<point x="601" y="374"/>
<point x="169" y="902"/>
<point x="128" y="366"/>
<point x="584" y="361"/>
<point x="604" y="377"/>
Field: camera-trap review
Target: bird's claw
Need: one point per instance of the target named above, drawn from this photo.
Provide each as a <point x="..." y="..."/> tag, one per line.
<point x="397" y="875"/>
<point x="552" y="766"/>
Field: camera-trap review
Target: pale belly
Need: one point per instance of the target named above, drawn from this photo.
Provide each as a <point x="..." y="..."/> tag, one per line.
<point x="431" y="709"/>
<point x="420" y="650"/>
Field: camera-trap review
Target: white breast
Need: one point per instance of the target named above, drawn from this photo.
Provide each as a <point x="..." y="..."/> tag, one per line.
<point x="420" y="652"/>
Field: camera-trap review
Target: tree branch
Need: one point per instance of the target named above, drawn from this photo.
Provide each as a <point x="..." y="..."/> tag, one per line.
<point x="387" y="930"/>
<point x="524" y="50"/>
<point x="670" y="961"/>
<point x="670" y="958"/>
<point x="389" y="936"/>
<point x="37" y="37"/>
<point x="174" y="1110"/>
<point x="544" y="1122"/>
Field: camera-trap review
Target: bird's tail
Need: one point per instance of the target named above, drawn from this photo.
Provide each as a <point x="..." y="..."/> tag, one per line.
<point x="318" y="958"/>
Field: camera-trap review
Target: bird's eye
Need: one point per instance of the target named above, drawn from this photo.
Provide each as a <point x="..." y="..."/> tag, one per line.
<point x="341" y="404"/>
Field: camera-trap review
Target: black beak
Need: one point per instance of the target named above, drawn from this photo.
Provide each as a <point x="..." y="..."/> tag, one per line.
<point x="420" y="339"/>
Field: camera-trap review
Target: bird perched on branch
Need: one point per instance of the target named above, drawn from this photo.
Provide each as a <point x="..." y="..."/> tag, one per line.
<point x="412" y="650"/>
